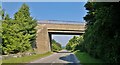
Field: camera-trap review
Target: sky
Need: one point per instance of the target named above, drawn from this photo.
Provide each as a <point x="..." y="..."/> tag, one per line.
<point x="63" y="11"/>
<point x="68" y="11"/>
<point x="63" y="39"/>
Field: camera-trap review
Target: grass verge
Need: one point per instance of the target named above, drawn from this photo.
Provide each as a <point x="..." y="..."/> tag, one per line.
<point x="26" y="59"/>
<point x="0" y="62"/>
<point x="86" y="59"/>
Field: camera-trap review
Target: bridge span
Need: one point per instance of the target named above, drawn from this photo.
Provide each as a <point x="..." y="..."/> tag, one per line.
<point x="45" y="30"/>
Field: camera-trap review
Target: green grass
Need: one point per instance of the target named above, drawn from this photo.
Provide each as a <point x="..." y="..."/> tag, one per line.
<point x="26" y="59"/>
<point x="85" y="58"/>
<point x="0" y="62"/>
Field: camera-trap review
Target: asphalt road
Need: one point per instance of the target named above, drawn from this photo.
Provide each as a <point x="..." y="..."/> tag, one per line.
<point x="62" y="58"/>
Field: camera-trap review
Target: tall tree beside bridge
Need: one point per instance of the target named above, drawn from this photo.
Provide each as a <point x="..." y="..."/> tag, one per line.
<point x="102" y="37"/>
<point x="19" y="34"/>
<point x="27" y="24"/>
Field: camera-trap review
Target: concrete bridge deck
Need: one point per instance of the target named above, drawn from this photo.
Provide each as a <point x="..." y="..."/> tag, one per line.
<point x="45" y="30"/>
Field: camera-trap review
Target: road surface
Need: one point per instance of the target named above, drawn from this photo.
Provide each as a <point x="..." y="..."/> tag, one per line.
<point x="62" y="58"/>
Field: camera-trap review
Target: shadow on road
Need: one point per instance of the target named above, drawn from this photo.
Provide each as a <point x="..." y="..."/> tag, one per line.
<point x="70" y="59"/>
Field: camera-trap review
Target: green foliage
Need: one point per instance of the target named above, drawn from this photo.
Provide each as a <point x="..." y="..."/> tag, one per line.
<point x="27" y="23"/>
<point x="102" y="36"/>
<point x="18" y="34"/>
<point x="1" y="12"/>
<point x="56" y="46"/>
<point x="79" y="44"/>
<point x="86" y="59"/>
<point x="74" y="43"/>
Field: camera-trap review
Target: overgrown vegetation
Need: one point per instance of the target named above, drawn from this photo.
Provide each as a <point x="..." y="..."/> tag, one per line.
<point x="19" y="33"/>
<point x="56" y="46"/>
<point x="86" y="59"/>
<point x="74" y="43"/>
<point x="102" y="36"/>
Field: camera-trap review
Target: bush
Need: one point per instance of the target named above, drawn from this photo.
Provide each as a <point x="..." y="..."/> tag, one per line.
<point x="75" y="43"/>
<point x="56" y="46"/>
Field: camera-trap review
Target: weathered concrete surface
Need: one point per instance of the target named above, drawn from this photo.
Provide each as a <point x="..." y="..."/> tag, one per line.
<point x="42" y="40"/>
<point x="43" y="30"/>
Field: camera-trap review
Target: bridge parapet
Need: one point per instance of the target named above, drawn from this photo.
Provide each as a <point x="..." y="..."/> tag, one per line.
<point x="60" y="22"/>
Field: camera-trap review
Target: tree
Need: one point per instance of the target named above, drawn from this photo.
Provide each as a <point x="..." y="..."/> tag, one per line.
<point x="18" y="34"/>
<point x="1" y="29"/>
<point x="6" y="34"/>
<point x="74" y="43"/>
<point x="27" y="23"/>
<point x="71" y="43"/>
<point x="56" y="46"/>
<point x="79" y="44"/>
<point x="103" y="31"/>
<point x="2" y="13"/>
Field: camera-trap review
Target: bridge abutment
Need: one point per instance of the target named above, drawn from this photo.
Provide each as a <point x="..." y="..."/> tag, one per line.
<point x="42" y="40"/>
<point x="45" y="31"/>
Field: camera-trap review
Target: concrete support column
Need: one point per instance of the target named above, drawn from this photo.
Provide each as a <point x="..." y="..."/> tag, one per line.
<point x="42" y="40"/>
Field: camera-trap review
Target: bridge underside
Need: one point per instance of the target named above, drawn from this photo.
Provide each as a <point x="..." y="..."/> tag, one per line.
<point x="61" y="33"/>
<point x="45" y="31"/>
<point x="66" y="32"/>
